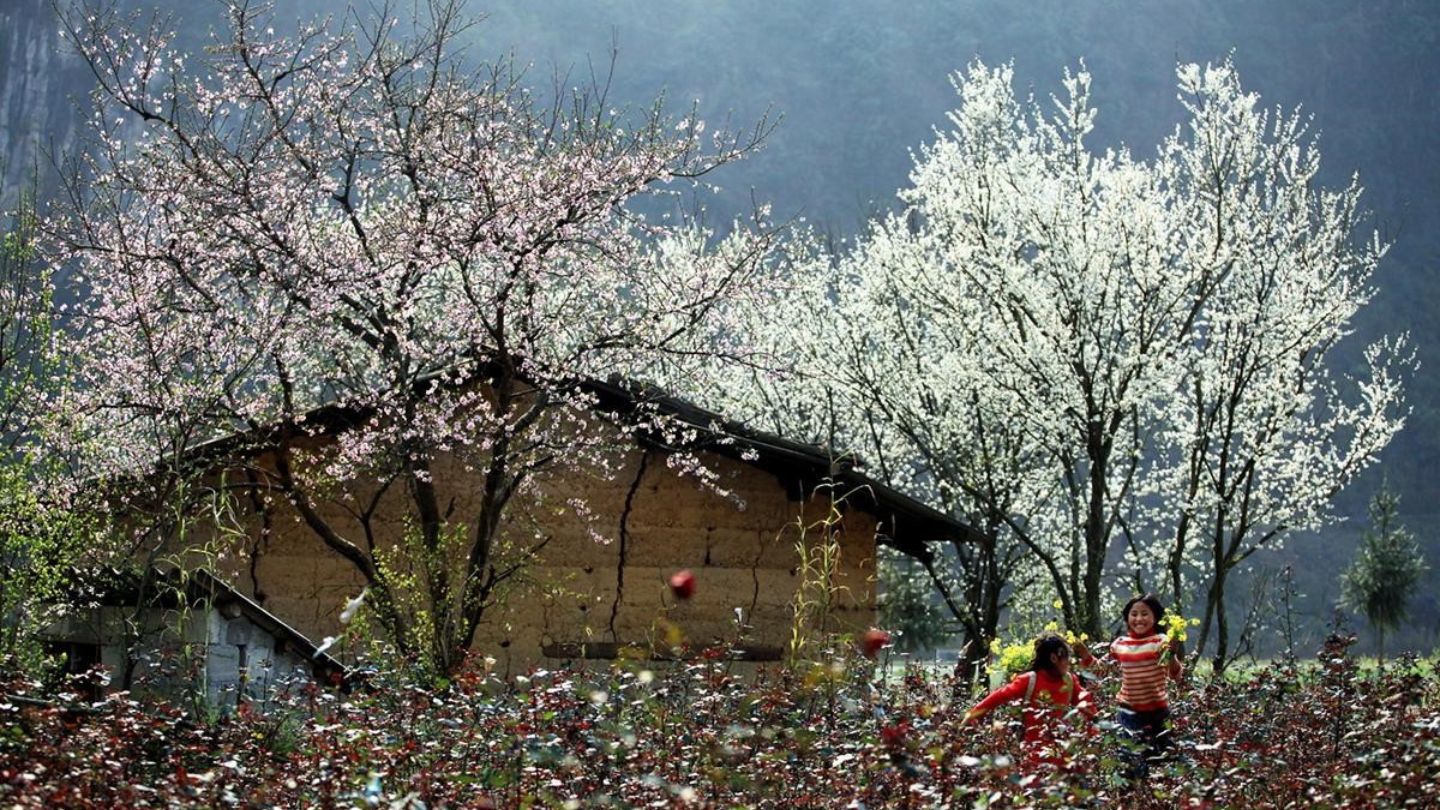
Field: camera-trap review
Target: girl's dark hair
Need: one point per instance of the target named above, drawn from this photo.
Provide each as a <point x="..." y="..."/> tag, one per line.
<point x="1151" y="601"/>
<point x="1045" y="646"/>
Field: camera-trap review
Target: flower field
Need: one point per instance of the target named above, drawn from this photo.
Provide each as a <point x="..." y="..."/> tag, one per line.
<point x="705" y="734"/>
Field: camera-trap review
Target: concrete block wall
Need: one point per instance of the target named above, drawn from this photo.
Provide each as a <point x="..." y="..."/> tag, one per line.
<point x="167" y="637"/>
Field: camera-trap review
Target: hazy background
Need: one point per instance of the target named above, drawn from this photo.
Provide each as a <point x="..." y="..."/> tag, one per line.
<point x="859" y="84"/>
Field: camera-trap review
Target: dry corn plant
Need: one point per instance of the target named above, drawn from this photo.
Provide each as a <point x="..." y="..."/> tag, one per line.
<point x="818" y="552"/>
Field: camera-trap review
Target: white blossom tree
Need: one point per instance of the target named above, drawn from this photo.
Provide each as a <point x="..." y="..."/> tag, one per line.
<point x="357" y="219"/>
<point x="858" y="369"/>
<point x="998" y="336"/>
<point x="1261" y="432"/>
<point x="1096" y="357"/>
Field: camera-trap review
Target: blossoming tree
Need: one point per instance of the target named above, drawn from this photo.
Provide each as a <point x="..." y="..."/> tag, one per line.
<point x="1091" y="356"/>
<point x="1262" y="429"/>
<point x="357" y="219"/>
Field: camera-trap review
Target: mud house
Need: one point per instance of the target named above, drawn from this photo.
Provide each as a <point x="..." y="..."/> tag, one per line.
<point x="598" y="598"/>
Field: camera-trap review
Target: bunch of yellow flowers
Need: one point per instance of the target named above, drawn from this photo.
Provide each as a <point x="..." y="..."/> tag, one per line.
<point x="1013" y="658"/>
<point x="1070" y="637"/>
<point x="1175" y="626"/>
<point x="1017" y="657"/>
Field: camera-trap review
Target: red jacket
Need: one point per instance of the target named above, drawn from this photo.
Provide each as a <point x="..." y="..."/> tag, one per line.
<point x="1043" y="715"/>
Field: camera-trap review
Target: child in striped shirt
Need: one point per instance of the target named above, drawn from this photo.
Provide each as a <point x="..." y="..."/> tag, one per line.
<point x="1140" y="656"/>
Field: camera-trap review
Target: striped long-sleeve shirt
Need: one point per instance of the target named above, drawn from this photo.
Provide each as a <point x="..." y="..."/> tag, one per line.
<point x="1142" y="675"/>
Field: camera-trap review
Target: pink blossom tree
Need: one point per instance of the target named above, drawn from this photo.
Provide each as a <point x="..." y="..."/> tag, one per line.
<point x="358" y="223"/>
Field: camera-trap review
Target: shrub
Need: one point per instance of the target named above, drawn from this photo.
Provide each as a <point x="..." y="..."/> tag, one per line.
<point x="701" y="732"/>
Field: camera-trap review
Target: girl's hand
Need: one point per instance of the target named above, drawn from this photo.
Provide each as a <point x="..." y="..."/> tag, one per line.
<point x="1081" y="651"/>
<point x="1171" y="654"/>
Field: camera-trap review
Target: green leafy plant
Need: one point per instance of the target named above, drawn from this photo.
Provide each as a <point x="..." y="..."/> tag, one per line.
<point x="1381" y="581"/>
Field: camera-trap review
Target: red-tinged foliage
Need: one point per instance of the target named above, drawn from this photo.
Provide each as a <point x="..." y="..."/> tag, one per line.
<point x="703" y="733"/>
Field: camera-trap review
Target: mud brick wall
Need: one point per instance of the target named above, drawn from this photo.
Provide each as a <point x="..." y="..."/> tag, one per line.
<point x="741" y="548"/>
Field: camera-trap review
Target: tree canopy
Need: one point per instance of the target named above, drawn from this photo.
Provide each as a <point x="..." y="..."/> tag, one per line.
<point x="1096" y="356"/>
<point x="1382" y="579"/>
<point x="359" y="218"/>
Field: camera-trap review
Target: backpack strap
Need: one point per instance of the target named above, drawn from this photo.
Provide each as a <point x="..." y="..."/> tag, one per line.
<point x="1030" y="679"/>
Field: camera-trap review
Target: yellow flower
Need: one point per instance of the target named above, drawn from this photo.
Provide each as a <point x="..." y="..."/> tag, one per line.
<point x="1014" y="658"/>
<point x="1058" y="605"/>
<point x="1174" y="625"/>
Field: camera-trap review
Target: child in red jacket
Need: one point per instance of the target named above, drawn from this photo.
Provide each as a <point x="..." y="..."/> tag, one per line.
<point x="1049" y="692"/>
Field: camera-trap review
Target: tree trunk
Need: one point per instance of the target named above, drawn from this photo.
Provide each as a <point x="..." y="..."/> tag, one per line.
<point x="1222" y="627"/>
<point x="977" y="610"/>
<point x="1096" y="538"/>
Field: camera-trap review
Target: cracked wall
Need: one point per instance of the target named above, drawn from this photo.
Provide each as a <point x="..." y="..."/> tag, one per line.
<point x="655" y="522"/>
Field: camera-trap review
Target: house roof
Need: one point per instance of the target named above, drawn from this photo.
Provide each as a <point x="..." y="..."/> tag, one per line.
<point x="221" y="593"/>
<point x="906" y="524"/>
